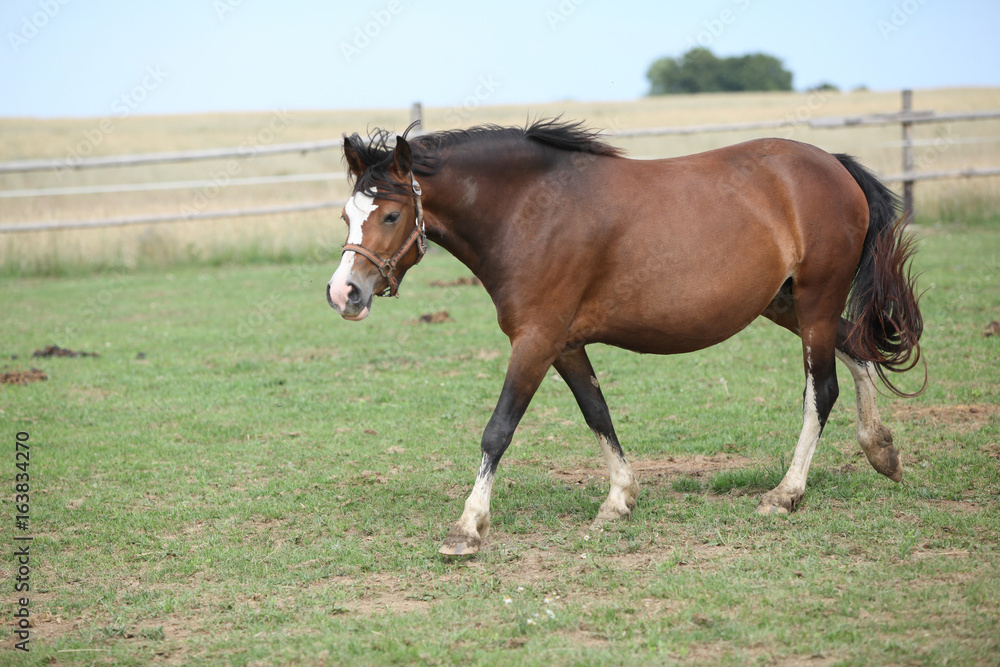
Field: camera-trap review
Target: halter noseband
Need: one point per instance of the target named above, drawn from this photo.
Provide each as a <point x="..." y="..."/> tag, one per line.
<point x="387" y="267"/>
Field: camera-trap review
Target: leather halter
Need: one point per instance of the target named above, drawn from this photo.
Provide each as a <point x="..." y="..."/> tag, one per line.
<point x="387" y="267"/>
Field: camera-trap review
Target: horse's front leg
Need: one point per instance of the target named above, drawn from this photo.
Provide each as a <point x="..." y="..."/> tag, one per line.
<point x="529" y="362"/>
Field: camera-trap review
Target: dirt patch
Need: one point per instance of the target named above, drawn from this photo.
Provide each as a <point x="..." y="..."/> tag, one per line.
<point x="924" y="553"/>
<point x="23" y="377"/>
<point x="586" y="638"/>
<point x="524" y="564"/>
<point x="957" y="418"/>
<point x="659" y="471"/>
<point x="992" y="329"/>
<point x="471" y="281"/>
<point x="56" y="351"/>
<point x="168" y="633"/>
<point x="383" y="594"/>
<point x="89" y="393"/>
<point x="434" y="318"/>
<point x="954" y="506"/>
<point x="389" y="602"/>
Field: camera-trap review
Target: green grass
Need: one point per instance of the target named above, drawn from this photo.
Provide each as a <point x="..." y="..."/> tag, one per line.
<point x="243" y="478"/>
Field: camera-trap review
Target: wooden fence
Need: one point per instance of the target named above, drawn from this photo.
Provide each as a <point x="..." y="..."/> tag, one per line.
<point x="906" y="118"/>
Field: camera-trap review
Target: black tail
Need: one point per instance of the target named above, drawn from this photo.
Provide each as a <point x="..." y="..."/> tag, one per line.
<point x="882" y="307"/>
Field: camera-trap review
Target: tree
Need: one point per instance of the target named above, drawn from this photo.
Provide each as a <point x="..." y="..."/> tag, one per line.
<point x="701" y="71"/>
<point x="825" y="87"/>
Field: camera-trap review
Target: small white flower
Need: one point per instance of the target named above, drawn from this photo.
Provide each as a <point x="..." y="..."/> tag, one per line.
<point x="531" y="621"/>
<point x="548" y="612"/>
<point x="548" y="600"/>
<point x="507" y="600"/>
<point x="586" y="538"/>
<point x="520" y="588"/>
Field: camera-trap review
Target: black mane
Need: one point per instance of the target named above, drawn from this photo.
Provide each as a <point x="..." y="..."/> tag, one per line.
<point x="429" y="150"/>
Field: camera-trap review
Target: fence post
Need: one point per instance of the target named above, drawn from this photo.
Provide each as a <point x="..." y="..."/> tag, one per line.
<point x="907" y="152"/>
<point x="417" y="115"/>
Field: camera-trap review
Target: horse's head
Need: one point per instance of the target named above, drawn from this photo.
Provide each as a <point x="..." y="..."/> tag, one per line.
<point x="385" y="225"/>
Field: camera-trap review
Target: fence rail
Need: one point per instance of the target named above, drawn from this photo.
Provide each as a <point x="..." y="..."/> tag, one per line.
<point x="906" y="118"/>
<point x="64" y="164"/>
<point x="171" y="185"/>
<point x="944" y="173"/>
<point x="49" y="225"/>
<point x="814" y="123"/>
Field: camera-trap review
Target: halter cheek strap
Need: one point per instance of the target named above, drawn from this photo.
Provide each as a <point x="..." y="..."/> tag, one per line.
<point x="387" y="267"/>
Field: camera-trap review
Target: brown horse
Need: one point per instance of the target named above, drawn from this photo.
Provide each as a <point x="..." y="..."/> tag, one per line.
<point x="577" y="244"/>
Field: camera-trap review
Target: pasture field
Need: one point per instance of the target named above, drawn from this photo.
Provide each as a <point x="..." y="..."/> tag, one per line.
<point x="240" y="477"/>
<point x="938" y="147"/>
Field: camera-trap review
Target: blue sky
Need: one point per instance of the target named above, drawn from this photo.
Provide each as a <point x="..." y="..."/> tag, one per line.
<point x="98" y="57"/>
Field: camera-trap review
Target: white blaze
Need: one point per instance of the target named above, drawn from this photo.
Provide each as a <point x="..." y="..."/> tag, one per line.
<point x="358" y="208"/>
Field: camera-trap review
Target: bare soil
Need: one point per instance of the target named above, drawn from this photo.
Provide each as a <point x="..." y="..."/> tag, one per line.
<point x="956" y="418"/>
<point x="23" y="377"/>
<point x="434" y="318"/>
<point x="659" y="471"/>
<point x="55" y="351"/>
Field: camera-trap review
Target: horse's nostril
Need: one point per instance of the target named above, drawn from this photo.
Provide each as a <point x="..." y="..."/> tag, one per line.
<point x="353" y="294"/>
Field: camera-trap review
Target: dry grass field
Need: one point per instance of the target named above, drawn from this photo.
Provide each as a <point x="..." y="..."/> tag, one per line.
<point x="939" y="146"/>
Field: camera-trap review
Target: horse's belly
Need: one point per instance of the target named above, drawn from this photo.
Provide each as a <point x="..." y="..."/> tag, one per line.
<point x="684" y="319"/>
<point x="671" y="336"/>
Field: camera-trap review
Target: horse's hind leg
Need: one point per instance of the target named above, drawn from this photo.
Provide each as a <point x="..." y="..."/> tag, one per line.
<point x="873" y="436"/>
<point x="819" y="337"/>
<point x="575" y="368"/>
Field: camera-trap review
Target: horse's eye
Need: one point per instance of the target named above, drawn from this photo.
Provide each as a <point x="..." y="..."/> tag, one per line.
<point x="392" y="217"/>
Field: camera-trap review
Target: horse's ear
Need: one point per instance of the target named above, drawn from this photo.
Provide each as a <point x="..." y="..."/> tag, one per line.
<point x="401" y="160"/>
<point x="354" y="163"/>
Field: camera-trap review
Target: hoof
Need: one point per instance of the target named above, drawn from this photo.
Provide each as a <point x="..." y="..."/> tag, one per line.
<point x="604" y="519"/>
<point x="619" y="504"/>
<point x="766" y="509"/>
<point x="605" y="515"/>
<point x="613" y="512"/>
<point x="462" y="548"/>
<point x="777" y="502"/>
<point x="460" y="543"/>
<point x="884" y="457"/>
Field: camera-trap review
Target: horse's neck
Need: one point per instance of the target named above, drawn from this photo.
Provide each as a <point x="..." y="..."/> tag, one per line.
<point x="473" y="199"/>
<point x="465" y="210"/>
